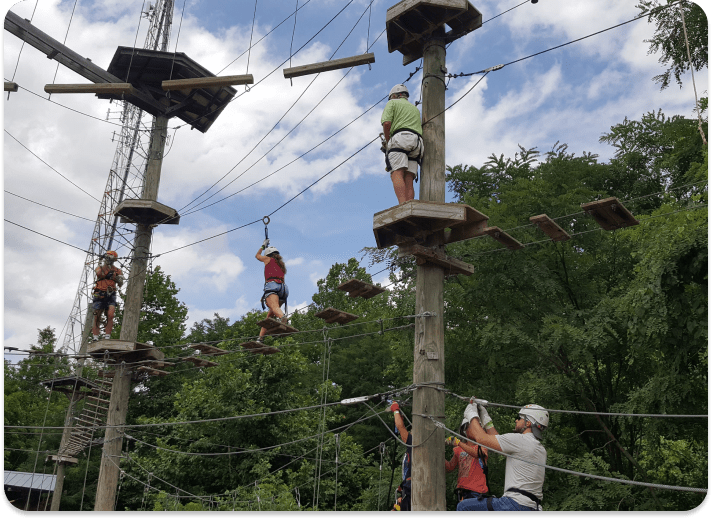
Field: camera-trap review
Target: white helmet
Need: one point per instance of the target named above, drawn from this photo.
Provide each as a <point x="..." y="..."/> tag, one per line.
<point x="538" y="416"/>
<point x="399" y="89"/>
<point x="271" y="250"/>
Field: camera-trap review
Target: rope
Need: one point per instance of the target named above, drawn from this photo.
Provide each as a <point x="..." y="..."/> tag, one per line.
<point x="572" y="472"/>
<point x="692" y="71"/>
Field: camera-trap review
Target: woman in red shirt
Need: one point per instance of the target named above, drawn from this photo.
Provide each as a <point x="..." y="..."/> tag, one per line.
<point x="471" y="465"/>
<point x="275" y="291"/>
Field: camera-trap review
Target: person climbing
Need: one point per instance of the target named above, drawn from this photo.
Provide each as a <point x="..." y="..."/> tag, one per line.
<point x="524" y="470"/>
<point x="275" y="289"/>
<point x="471" y="462"/>
<point x="104" y="294"/>
<point x="402" y="503"/>
<point x="403" y="146"/>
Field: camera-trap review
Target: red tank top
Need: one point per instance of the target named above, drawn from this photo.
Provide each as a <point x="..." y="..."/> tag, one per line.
<point x="272" y="270"/>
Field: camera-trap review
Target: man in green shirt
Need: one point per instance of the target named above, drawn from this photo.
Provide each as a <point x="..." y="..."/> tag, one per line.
<point x="404" y="142"/>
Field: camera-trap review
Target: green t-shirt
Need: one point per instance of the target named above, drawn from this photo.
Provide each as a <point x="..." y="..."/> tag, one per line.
<point x="402" y="115"/>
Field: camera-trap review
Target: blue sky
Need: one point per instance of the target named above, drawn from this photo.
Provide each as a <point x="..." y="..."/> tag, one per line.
<point x="571" y="95"/>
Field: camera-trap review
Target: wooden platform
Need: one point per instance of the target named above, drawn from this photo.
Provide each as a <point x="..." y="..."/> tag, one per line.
<point x="503" y="238"/>
<point x="70" y="385"/>
<point x="358" y="288"/>
<point x="332" y="315"/>
<point x="60" y="458"/>
<point x="91" y="88"/>
<point x="274" y="327"/>
<point x="201" y="363"/>
<point x="415" y="220"/>
<point x="146" y="212"/>
<point x="425" y="255"/>
<point x="610" y="213"/>
<point x="550" y="228"/>
<point x="325" y="66"/>
<point x="259" y="347"/>
<point x="207" y="349"/>
<point x="206" y="82"/>
<point x="410" y="22"/>
<point x="124" y="350"/>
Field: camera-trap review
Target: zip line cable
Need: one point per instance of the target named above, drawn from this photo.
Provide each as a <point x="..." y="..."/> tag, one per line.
<point x="44" y="235"/>
<point x="19" y="54"/>
<point x="48" y="207"/>
<point x="50" y="167"/>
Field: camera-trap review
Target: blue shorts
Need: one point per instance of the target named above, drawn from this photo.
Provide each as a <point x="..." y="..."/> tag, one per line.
<point x="499" y="504"/>
<point x="272" y="287"/>
<point x="103" y="303"/>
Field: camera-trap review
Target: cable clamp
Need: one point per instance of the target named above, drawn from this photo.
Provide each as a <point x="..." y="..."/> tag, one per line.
<point x="496" y="67"/>
<point x="428" y="314"/>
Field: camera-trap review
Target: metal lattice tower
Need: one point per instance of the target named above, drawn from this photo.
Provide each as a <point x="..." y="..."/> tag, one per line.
<point x="126" y="180"/>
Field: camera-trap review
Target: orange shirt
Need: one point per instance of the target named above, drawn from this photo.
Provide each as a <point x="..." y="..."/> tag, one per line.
<point x="470" y="475"/>
<point x="101" y="272"/>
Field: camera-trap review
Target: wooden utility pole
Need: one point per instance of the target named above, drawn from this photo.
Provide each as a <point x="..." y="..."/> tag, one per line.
<point x="428" y="468"/>
<point x="121" y="390"/>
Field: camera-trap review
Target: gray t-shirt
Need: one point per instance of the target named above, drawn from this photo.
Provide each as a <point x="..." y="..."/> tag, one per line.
<point x="520" y="474"/>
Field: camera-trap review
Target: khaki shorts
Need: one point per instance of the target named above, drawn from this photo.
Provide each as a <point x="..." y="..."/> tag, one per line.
<point x="413" y="144"/>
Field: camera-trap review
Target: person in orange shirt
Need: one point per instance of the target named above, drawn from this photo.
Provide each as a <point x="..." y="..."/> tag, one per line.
<point x="104" y="294"/>
<point x="275" y="289"/>
<point x="471" y="462"/>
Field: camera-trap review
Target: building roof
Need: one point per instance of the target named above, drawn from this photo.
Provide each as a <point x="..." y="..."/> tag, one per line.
<point x="29" y="481"/>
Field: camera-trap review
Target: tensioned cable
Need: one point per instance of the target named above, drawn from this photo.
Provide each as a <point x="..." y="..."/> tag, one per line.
<point x="573" y="472"/>
<point x="44" y="235"/>
<point x="19" y="54"/>
<point x="249" y="49"/>
<point x="692" y="71"/>
<point x="50" y="167"/>
<point x="48" y="207"/>
<point x="71" y="17"/>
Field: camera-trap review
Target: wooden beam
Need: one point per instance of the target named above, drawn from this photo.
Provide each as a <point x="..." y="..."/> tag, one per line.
<point x="207" y="82"/>
<point x="550" y="228"/>
<point x="10" y="87"/>
<point x="503" y="238"/>
<point x="324" y="66"/>
<point x="95" y="88"/>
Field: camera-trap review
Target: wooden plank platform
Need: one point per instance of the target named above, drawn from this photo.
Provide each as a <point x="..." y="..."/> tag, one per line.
<point x="62" y="458"/>
<point x="358" y="288"/>
<point x="610" y="213"/>
<point x="201" y="363"/>
<point x="113" y="346"/>
<point x="474" y="226"/>
<point x="151" y="371"/>
<point x="424" y="255"/>
<point x="504" y="238"/>
<point x="550" y="228"/>
<point x="147" y="212"/>
<point x="91" y="88"/>
<point x="325" y="66"/>
<point x="332" y="315"/>
<point x="259" y="347"/>
<point x="10" y="86"/>
<point x="207" y="349"/>
<point x="207" y="82"/>
<point x="412" y="220"/>
<point x="274" y="327"/>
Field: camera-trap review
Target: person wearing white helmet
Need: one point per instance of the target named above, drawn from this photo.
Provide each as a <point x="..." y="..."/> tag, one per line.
<point x="104" y="294"/>
<point x="524" y="470"/>
<point x="403" y="133"/>
<point x="275" y="289"/>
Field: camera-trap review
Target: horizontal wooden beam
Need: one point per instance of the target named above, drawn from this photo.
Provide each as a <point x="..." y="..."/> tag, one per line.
<point x="96" y="88"/>
<point x="207" y="82"/>
<point x="10" y="87"/>
<point x="324" y="66"/>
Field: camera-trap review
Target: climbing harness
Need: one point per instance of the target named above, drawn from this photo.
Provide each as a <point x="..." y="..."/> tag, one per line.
<point x="418" y="158"/>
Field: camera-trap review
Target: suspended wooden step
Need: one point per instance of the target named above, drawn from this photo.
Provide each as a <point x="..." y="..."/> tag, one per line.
<point x="332" y="315"/>
<point x="416" y="220"/>
<point x="146" y="212"/>
<point x="275" y="327"/>
<point x="10" y="86"/>
<point x="358" y="288"/>
<point x="151" y="371"/>
<point x="259" y="347"/>
<point x="201" y="363"/>
<point x="62" y="458"/>
<point x="207" y="349"/>
<point x="550" y="228"/>
<point x="503" y="238"/>
<point x="610" y="213"/>
<point x="410" y="23"/>
<point x="207" y="82"/>
<point x="91" y="88"/>
<point x="425" y="255"/>
<point x="334" y="64"/>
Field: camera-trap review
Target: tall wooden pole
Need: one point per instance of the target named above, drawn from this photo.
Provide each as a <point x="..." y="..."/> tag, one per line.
<point x="428" y="463"/>
<point x="121" y="389"/>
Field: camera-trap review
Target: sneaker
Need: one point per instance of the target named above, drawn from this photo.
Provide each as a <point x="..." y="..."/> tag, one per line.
<point x="284" y="319"/>
<point x="261" y="340"/>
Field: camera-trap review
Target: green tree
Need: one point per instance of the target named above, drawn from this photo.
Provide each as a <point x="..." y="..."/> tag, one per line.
<point x="669" y="37"/>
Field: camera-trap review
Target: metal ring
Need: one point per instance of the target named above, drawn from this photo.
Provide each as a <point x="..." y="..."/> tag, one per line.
<point x="265" y="218"/>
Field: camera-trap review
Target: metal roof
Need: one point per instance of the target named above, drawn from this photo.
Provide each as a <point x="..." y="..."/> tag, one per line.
<point x="28" y="480"/>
